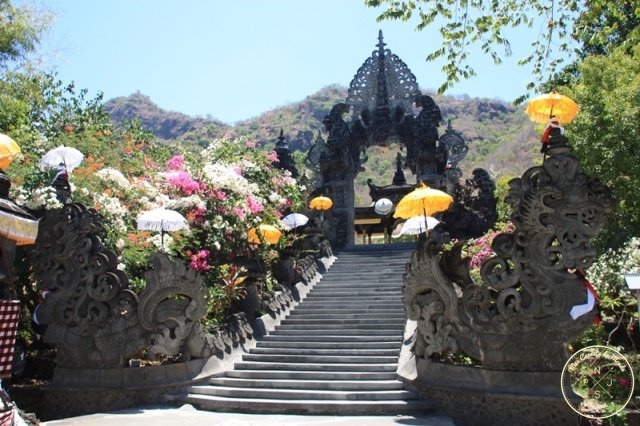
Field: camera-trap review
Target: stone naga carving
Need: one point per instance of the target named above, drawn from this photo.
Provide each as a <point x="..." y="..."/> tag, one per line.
<point x="517" y="318"/>
<point x="92" y="316"/>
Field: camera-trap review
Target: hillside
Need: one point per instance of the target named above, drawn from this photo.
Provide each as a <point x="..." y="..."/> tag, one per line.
<point x="500" y="137"/>
<point x="166" y="125"/>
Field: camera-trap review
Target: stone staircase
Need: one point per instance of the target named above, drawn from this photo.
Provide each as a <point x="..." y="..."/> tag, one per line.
<point x="336" y="353"/>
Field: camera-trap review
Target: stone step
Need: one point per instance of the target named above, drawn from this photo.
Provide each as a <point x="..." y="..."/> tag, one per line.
<point x="353" y="304"/>
<point x="341" y="285"/>
<point x="341" y="321"/>
<point x="395" y="344"/>
<point x="304" y="310"/>
<point x="354" y="299"/>
<point x="320" y="359"/>
<point x="340" y="332"/>
<point x="311" y="406"/>
<point x="352" y="385"/>
<point x="311" y="375"/>
<point x="342" y="316"/>
<point x="332" y="351"/>
<point x="297" y="394"/>
<point x="368" y="338"/>
<point x="355" y="295"/>
<point x="341" y="324"/>
<point x="257" y="365"/>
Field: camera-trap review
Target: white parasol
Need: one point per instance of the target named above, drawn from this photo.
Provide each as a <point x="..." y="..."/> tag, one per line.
<point x="294" y="220"/>
<point x="416" y="225"/>
<point x="161" y="220"/>
<point x="66" y="156"/>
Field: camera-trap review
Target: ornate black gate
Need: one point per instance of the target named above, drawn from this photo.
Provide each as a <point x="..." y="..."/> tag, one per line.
<point x="381" y="99"/>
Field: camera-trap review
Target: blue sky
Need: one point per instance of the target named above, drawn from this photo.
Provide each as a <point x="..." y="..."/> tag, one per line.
<point x="234" y="59"/>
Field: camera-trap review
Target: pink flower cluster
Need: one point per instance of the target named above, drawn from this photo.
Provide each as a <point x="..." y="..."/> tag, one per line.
<point x="176" y="163"/>
<point x="200" y="261"/>
<point x="254" y="206"/>
<point x="185" y="182"/>
<point x="273" y="157"/>
<point x="481" y="248"/>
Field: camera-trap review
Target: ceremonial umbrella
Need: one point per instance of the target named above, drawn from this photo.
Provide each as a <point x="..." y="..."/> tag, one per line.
<point x="294" y="220"/>
<point x="9" y="150"/>
<point x="321" y="203"/>
<point x="162" y="220"/>
<point x="541" y="108"/>
<point x="423" y="201"/>
<point x="270" y="233"/>
<point x="418" y="224"/>
<point x="67" y="156"/>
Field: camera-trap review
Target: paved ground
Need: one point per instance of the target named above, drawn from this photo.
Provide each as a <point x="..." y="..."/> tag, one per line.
<point x="187" y="415"/>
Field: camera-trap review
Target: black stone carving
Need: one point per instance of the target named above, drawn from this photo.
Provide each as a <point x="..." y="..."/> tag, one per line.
<point x="92" y="316"/>
<point x="383" y="88"/>
<point x="517" y="318"/>
<point x="474" y="207"/>
<point x="285" y="160"/>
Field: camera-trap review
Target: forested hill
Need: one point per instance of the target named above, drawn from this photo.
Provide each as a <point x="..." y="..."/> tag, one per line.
<point x="166" y="125"/>
<point x="500" y="137"/>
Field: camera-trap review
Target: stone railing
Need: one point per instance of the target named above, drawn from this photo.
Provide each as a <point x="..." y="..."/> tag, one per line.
<point x="516" y="322"/>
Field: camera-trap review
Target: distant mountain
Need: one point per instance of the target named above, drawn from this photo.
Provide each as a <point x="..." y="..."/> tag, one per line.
<point x="166" y="125"/>
<point x="500" y="137"/>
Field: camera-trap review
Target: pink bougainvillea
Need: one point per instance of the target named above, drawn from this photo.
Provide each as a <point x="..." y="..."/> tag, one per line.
<point x="219" y="194"/>
<point x="200" y="261"/>
<point x="176" y="163"/>
<point x="254" y="206"/>
<point x="239" y="212"/>
<point x="185" y="182"/>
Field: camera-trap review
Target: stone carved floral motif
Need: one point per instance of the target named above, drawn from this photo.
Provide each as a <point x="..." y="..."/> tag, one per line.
<point x="517" y="318"/>
<point x="92" y="316"/>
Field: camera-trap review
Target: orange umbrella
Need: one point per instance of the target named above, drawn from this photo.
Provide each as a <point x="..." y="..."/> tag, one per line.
<point x="271" y="234"/>
<point x="9" y="150"/>
<point x="422" y="201"/>
<point x="321" y="203"/>
<point x="541" y="108"/>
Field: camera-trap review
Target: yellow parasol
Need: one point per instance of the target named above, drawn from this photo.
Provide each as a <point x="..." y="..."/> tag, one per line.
<point x="9" y="150"/>
<point x="271" y="234"/>
<point x="541" y="108"/>
<point x="321" y="203"/>
<point x="422" y="201"/>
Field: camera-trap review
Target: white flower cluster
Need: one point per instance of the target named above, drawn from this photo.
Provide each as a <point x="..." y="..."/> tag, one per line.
<point x="162" y="242"/>
<point x="276" y="199"/>
<point x="111" y="175"/>
<point x="186" y="203"/>
<point x="222" y="176"/>
<point x="40" y="198"/>
<point x="607" y="272"/>
<point x="209" y="153"/>
<point x="112" y="209"/>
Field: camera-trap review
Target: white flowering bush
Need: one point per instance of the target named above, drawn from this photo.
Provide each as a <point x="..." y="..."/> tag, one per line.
<point x="223" y="192"/>
<point x="618" y="304"/>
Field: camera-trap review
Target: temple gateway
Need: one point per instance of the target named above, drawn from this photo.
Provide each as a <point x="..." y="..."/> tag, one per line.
<point x="382" y="98"/>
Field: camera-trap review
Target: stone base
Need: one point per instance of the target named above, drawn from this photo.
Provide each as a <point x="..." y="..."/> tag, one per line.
<point x="476" y="396"/>
<point x="63" y="403"/>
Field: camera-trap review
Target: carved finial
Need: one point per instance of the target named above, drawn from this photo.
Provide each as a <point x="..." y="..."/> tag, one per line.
<point x="381" y="44"/>
<point x="281" y="142"/>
